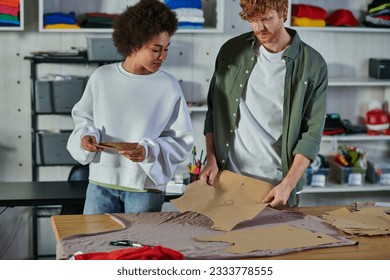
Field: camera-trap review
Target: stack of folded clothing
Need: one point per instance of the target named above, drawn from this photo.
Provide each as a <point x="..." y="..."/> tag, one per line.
<point x="9" y="11"/>
<point x="378" y="14"/>
<point x="342" y="17"/>
<point x="60" y="20"/>
<point x="98" y="20"/>
<point x="308" y="15"/>
<point x="189" y="12"/>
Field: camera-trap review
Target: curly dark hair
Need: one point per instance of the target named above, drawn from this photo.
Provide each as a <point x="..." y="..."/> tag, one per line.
<point x="139" y="23"/>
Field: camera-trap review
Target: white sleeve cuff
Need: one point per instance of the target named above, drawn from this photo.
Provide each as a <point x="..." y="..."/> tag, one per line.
<point x="148" y="144"/>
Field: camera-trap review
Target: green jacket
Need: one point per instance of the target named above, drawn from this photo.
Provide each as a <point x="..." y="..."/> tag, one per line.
<point x="304" y="108"/>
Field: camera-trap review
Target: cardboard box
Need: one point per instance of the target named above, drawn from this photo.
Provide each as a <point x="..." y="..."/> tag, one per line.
<point x="353" y="176"/>
<point x="52" y="149"/>
<point x="102" y="49"/>
<point x="58" y="96"/>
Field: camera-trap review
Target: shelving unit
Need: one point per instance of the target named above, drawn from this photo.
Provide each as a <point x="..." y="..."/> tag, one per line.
<point x="336" y="188"/>
<point x="213" y="13"/>
<point x="35" y="129"/>
<point x="358" y="82"/>
<point x="358" y="9"/>
<point x="21" y="20"/>
<point x="335" y="194"/>
<point x="40" y="212"/>
<point x="350" y="91"/>
<point x="343" y="29"/>
<point x="336" y="139"/>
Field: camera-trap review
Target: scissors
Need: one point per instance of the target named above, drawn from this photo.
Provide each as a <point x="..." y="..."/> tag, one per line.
<point x="126" y="243"/>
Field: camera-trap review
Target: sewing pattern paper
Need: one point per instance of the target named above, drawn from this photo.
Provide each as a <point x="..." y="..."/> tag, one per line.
<point x="232" y="199"/>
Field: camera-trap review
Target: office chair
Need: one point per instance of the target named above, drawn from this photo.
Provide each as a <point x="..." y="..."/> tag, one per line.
<point x="77" y="173"/>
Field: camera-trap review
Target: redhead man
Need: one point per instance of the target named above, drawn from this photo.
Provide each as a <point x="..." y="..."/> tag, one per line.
<point x="266" y="104"/>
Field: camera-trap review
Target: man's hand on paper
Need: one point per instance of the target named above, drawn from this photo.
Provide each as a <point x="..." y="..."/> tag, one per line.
<point x="209" y="172"/>
<point x="278" y="196"/>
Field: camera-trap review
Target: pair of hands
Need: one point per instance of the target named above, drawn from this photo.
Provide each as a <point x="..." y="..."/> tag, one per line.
<point x="277" y="197"/>
<point x="132" y="151"/>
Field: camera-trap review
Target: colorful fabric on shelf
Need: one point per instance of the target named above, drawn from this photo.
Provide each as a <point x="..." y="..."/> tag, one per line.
<point x="62" y="26"/>
<point x="9" y="10"/>
<point x="190" y="25"/>
<point x="174" y="4"/>
<point x="385" y="17"/>
<point x="378" y="13"/>
<point x="381" y="12"/>
<point x="308" y="11"/>
<point x="95" y="24"/>
<point x="189" y="12"/>
<point x="308" y="22"/>
<point x="376" y="21"/>
<point x="101" y="15"/>
<point x="189" y="15"/>
<point x="10" y="3"/>
<point x="12" y="11"/>
<point x="98" y="20"/>
<point x="7" y="20"/>
<point x="59" y="18"/>
<point x="342" y="17"/>
<point x="379" y="5"/>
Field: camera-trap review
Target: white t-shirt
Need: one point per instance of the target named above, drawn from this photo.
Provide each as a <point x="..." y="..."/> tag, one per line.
<point x="257" y="144"/>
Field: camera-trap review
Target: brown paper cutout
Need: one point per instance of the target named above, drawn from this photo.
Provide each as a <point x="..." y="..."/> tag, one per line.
<point x="270" y="238"/>
<point x="118" y="146"/>
<point x="367" y="221"/>
<point x="233" y="198"/>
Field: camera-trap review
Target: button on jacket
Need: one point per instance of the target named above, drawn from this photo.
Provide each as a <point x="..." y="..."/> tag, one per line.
<point x="304" y="104"/>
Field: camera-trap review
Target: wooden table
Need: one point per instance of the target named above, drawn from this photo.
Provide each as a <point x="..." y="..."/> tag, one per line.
<point x="369" y="248"/>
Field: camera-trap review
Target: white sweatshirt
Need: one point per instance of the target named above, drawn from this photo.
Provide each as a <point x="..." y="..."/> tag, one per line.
<point x="118" y="106"/>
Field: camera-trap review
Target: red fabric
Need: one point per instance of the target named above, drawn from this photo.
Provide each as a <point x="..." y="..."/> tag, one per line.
<point x="9" y="10"/>
<point x="377" y="117"/>
<point x="10" y="3"/>
<point x="334" y="131"/>
<point x="143" y="253"/>
<point x="385" y="17"/>
<point x="102" y="15"/>
<point x="342" y="17"/>
<point x="309" y="11"/>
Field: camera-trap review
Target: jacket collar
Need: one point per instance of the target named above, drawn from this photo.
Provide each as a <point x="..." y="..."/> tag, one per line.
<point x="291" y="51"/>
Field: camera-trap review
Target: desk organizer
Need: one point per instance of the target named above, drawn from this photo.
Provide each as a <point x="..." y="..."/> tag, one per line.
<point x="353" y="176"/>
<point x="317" y="178"/>
<point x="378" y="172"/>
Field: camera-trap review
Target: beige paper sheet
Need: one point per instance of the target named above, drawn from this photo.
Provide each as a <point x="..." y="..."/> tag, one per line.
<point x="270" y="238"/>
<point x="118" y="146"/>
<point x="367" y="221"/>
<point x="233" y="198"/>
<point x="178" y="231"/>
